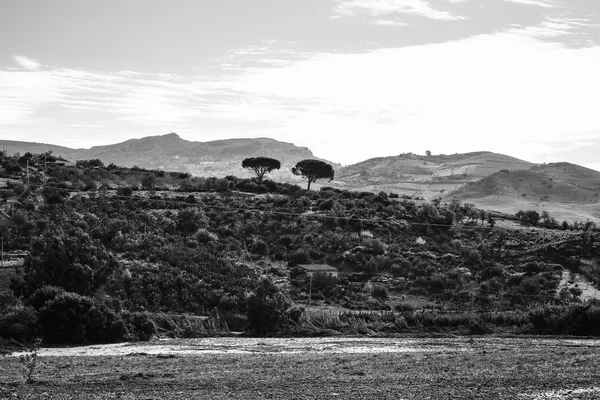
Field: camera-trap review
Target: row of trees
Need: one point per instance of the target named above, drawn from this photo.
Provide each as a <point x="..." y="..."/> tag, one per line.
<point x="309" y="169"/>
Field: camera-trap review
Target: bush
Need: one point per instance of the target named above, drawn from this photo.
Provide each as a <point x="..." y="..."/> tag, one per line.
<point x="44" y="294"/>
<point x="74" y="262"/>
<point x="260" y="247"/>
<point x="124" y="191"/>
<point x="405" y="307"/>
<point x="76" y="319"/>
<point x="379" y="292"/>
<point x="299" y="257"/>
<point x="267" y="308"/>
<point x="572" y="319"/>
<point x="19" y="324"/>
<point x="139" y="325"/>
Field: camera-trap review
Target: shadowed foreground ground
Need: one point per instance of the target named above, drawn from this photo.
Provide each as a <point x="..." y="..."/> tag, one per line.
<point x="356" y="368"/>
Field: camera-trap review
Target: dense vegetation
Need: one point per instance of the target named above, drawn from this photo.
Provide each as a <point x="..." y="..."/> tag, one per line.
<point x="125" y="253"/>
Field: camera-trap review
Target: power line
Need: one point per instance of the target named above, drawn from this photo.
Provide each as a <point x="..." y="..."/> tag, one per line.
<point x="288" y="213"/>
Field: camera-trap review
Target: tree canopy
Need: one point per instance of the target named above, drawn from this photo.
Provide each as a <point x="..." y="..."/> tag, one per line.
<point x="261" y="166"/>
<point x="313" y="170"/>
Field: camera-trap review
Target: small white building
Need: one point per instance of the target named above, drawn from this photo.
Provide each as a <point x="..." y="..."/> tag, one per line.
<point x="312" y="269"/>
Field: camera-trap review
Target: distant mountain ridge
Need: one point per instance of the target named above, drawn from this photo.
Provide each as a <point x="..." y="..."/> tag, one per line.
<point x="171" y="152"/>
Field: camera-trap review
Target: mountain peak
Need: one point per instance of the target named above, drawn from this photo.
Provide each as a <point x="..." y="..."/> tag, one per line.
<point x="171" y="135"/>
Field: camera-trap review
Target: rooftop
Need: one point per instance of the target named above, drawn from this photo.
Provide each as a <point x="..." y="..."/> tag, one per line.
<point x="317" y="267"/>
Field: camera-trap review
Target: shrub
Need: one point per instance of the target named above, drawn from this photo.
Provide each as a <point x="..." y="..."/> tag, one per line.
<point x="572" y="319"/>
<point x="491" y="272"/>
<point x="379" y="292"/>
<point x="299" y="257"/>
<point x="74" y="262"/>
<point x="191" y="219"/>
<point x="139" y="325"/>
<point x="260" y="247"/>
<point x="18" y="323"/>
<point x="72" y="318"/>
<point x="267" y="308"/>
<point x="124" y="191"/>
<point x="405" y="307"/>
<point x="44" y="294"/>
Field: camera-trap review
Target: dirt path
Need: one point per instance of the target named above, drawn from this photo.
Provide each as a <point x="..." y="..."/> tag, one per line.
<point x="358" y="345"/>
<point x="589" y="292"/>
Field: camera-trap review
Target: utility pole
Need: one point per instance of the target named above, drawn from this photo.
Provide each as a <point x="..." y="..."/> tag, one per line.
<point x="309" y="289"/>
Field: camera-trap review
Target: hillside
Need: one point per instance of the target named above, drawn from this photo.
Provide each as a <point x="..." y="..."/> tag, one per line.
<point x="128" y="254"/>
<point x="412" y="167"/>
<point x="425" y="176"/>
<point x="15" y="146"/>
<point x="566" y="190"/>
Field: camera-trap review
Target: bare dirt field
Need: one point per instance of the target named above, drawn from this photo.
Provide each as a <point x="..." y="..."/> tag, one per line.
<point x="314" y="368"/>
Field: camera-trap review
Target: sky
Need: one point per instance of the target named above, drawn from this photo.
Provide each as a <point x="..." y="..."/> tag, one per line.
<point x="350" y="79"/>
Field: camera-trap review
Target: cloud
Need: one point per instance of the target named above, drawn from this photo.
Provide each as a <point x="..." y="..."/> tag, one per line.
<point x="389" y="22"/>
<point x="27" y="63"/>
<point x="380" y="8"/>
<point x="133" y="97"/>
<point x="508" y="92"/>
<point x="568" y="31"/>
<point x="504" y="92"/>
<point x="539" y="3"/>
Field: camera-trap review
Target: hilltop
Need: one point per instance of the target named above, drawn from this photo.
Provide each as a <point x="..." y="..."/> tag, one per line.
<point x="412" y="167"/>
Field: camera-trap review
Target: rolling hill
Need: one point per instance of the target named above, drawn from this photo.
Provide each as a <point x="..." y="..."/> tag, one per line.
<point x="426" y="176"/>
<point x="567" y="191"/>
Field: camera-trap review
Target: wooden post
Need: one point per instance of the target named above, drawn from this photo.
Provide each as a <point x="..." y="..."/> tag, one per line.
<point x="309" y="289"/>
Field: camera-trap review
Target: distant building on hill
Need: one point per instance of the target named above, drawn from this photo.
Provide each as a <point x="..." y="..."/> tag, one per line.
<point x="61" y="162"/>
<point x="312" y="269"/>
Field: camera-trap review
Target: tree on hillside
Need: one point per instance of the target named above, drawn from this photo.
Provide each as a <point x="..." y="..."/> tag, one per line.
<point x="313" y="170"/>
<point x="149" y="183"/>
<point x="266" y="308"/>
<point x="456" y="207"/>
<point x="190" y="219"/>
<point x="261" y="166"/>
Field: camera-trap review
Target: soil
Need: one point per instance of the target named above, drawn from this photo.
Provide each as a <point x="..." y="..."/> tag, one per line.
<point x="313" y="368"/>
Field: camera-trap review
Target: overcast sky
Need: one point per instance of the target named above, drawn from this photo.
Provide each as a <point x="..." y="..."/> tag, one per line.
<point x="350" y="79"/>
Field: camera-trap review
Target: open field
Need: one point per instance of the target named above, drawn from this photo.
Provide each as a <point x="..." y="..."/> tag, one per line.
<point x="314" y="368"/>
